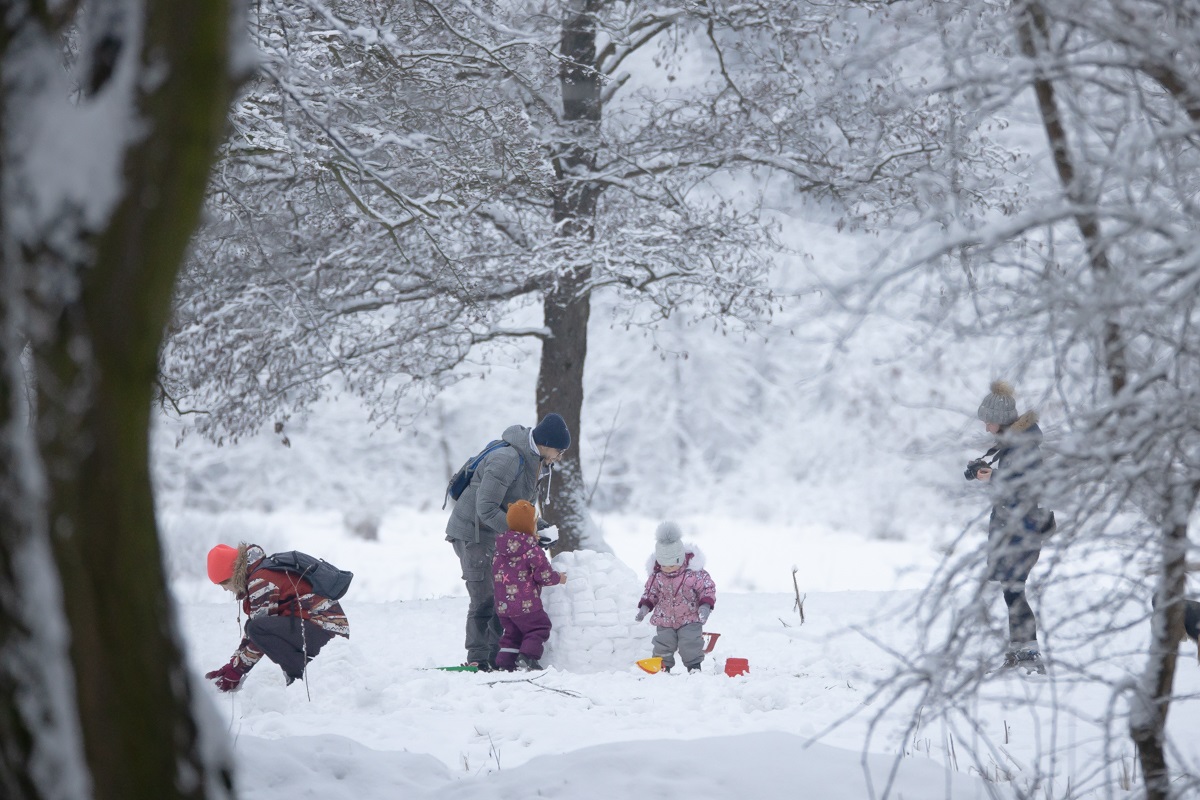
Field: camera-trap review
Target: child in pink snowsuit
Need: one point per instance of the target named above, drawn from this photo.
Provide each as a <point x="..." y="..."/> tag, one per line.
<point x="519" y="571"/>
<point x="681" y="594"/>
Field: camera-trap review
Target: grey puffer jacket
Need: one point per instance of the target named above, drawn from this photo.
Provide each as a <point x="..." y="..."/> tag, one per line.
<point x="499" y="479"/>
<point x="1014" y="542"/>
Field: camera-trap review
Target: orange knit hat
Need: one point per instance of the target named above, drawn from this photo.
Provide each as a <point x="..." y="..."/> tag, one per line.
<point x="522" y="516"/>
<point x="220" y="563"/>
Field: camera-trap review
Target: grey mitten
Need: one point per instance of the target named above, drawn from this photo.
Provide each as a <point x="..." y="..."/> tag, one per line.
<point x="704" y="611"/>
<point x="641" y="615"/>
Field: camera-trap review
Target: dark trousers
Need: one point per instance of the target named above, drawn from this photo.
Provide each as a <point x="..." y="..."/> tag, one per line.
<point x="1022" y="626"/>
<point x="483" y="626"/>
<point x="526" y="635"/>
<point x="283" y="641"/>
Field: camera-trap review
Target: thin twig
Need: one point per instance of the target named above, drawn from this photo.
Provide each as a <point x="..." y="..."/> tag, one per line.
<point x="611" y="429"/>
<point x="799" y="600"/>
<point x="532" y="680"/>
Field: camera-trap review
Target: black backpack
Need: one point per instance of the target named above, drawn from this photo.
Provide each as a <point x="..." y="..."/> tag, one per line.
<point x="460" y="480"/>
<point x="325" y="579"/>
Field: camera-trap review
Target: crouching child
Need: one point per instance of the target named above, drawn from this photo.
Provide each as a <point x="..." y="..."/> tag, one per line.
<point x="519" y="571"/>
<point x="681" y="595"/>
<point x="286" y="619"/>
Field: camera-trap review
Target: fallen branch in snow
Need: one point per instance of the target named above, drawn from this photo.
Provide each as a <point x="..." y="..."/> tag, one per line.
<point x="533" y="680"/>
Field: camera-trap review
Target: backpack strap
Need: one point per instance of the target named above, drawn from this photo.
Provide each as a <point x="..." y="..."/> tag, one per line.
<point x="469" y="469"/>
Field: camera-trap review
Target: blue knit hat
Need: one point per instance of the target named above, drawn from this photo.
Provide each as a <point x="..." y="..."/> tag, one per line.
<point x="552" y="432"/>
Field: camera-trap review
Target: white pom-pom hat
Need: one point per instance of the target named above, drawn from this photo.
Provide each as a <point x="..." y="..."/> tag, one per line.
<point x="668" y="551"/>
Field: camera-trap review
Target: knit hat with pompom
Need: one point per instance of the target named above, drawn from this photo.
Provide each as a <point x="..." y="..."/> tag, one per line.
<point x="999" y="407"/>
<point x="668" y="552"/>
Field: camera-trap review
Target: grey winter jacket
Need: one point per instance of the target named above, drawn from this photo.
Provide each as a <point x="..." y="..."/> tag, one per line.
<point x="1014" y="543"/>
<point x="499" y="479"/>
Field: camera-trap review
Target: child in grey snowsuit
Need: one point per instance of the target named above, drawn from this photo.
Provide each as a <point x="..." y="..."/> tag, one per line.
<point x="681" y="595"/>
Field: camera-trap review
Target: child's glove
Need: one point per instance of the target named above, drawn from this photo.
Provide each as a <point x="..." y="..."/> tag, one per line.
<point x="641" y="615"/>
<point x="704" y="611"/>
<point x="228" y="677"/>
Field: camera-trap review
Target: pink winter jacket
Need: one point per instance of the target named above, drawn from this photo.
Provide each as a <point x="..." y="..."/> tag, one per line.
<point x="676" y="598"/>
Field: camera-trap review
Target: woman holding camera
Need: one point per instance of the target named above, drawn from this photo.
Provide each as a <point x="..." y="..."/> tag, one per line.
<point x="1017" y="525"/>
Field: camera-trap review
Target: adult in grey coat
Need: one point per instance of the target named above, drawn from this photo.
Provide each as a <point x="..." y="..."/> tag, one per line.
<point x="505" y="475"/>
<point x="1018" y="524"/>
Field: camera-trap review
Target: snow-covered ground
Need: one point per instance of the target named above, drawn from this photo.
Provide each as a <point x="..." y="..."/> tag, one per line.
<point x="375" y="721"/>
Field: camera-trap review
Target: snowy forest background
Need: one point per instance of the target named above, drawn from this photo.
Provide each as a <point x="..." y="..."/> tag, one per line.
<point x="764" y="257"/>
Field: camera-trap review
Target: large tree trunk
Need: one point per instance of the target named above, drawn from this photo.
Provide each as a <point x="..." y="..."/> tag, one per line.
<point x="567" y="303"/>
<point x="560" y="390"/>
<point x="96" y="358"/>
<point x="41" y="756"/>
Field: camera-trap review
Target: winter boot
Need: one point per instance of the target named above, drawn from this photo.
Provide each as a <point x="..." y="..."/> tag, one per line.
<point x="1026" y="657"/>
<point x="525" y="662"/>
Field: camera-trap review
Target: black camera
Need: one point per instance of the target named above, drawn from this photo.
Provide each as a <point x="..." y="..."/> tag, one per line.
<point x="972" y="471"/>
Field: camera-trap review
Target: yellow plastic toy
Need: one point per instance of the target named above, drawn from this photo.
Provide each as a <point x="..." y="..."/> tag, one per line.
<point x="651" y="665"/>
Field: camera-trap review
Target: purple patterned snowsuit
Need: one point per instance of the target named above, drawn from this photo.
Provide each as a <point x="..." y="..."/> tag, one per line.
<point x="519" y="571"/>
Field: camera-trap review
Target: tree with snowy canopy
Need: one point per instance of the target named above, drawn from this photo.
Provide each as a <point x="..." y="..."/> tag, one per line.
<point x="405" y="176"/>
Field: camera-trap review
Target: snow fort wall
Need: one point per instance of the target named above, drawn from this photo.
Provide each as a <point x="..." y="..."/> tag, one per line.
<point x="593" y="615"/>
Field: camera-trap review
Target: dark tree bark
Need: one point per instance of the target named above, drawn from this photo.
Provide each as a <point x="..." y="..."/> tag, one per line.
<point x="567" y="304"/>
<point x="22" y="531"/>
<point x="96" y="357"/>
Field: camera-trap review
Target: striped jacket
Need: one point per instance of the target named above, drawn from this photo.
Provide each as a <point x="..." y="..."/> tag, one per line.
<point x="278" y="593"/>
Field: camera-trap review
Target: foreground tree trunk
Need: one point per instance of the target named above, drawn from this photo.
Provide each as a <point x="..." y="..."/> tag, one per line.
<point x="161" y="68"/>
<point x="41" y="755"/>
<point x="567" y="303"/>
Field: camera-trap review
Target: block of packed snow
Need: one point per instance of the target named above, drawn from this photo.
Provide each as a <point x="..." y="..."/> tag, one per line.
<point x="580" y="607"/>
<point x="608" y="592"/>
<point x="605" y="605"/>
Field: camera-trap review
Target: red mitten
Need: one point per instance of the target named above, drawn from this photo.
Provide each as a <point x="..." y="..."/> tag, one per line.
<point x="228" y="677"/>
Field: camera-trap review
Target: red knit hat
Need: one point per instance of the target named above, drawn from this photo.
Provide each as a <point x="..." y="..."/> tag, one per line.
<point x="220" y="563"/>
<point x="522" y="516"/>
